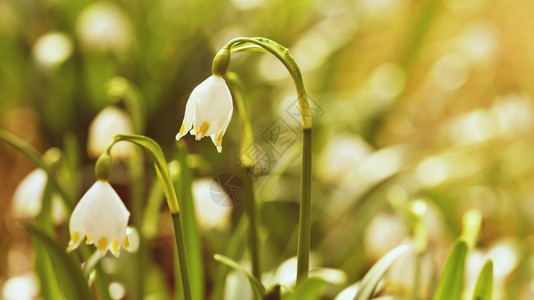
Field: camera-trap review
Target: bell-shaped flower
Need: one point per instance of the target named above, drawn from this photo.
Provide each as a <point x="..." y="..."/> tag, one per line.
<point x="102" y="218"/>
<point x="208" y="111"/>
<point x="28" y="197"/>
<point x="110" y="121"/>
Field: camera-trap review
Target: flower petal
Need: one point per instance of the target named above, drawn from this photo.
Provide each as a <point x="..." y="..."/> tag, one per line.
<point x="189" y="115"/>
<point x="101" y="215"/>
<point x="213" y="105"/>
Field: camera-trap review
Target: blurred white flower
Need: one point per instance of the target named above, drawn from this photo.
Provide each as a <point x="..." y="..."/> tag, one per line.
<point x="102" y="217"/>
<point x="103" y="26"/>
<point x="28" y="198"/>
<point x="286" y="272"/>
<point x="132" y="238"/>
<point x="210" y="215"/>
<point x="341" y="156"/>
<point x="401" y="274"/>
<point x="208" y="111"/>
<point x="52" y="49"/>
<point x="385" y="232"/>
<point x="117" y="290"/>
<point x="110" y="121"/>
<point x="21" y="287"/>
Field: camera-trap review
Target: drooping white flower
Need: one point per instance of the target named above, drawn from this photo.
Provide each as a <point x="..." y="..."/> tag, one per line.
<point x="208" y="111"/>
<point x="212" y="213"/>
<point x="28" y="197"/>
<point x="102" y="218"/>
<point x="110" y="121"/>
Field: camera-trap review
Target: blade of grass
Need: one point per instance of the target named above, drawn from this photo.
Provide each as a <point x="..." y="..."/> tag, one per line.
<point x="72" y="282"/>
<point x="484" y="285"/>
<point x="259" y="289"/>
<point x="183" y="181"/>
<point x="373" y="277"/>
<point x="450" y="285"/>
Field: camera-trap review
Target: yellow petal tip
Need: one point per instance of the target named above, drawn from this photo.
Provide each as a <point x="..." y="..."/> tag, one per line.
<point x="102" y="245"/>
<point x="203" y="129"/>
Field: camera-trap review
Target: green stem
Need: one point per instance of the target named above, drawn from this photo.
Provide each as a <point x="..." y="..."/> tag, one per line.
<point x="180" y="245"/>
<point x="91" y="263"/>
<point x="248" y="161"/>
<point x="417" y="276"/>
<point x="282" y="53"/>
<point x="247" y="158"/>
<point x="160" y="163"/>
<point x="136" y="172"/>
<point x="303" y="251"/>
<point x="164" y="175"/>
<point x="183" y="180"/>
<point x="253" y="225"/>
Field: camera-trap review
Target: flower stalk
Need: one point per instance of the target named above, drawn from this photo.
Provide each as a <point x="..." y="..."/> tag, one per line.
<point x="248" y="161"/>
<point x="257" y="43"/>
<point x="162" y="170"/>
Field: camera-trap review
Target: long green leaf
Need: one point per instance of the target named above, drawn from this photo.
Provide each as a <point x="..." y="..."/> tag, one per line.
<point x="183" y="184"/>
<point x="484" y="286"/>
<point x="371" y="279"/>
<point x="259" y="289"/>
<point x="50" y="289"/>
<point x="450" y="285"/>
<point x="72" y="282"/>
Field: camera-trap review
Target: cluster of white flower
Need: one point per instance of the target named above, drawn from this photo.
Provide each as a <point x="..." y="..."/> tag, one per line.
<point x="101" y="216"/>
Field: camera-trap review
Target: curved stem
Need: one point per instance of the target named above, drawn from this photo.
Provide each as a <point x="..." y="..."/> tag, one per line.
<point x="282" y="53"/>
<point x="285" y="57"/>
<point x="160" y="163"/>
<point x="162" y="170"/>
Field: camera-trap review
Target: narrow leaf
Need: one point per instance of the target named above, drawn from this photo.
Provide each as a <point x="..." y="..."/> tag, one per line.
<point x="450" y="285"/>
<point x="183" y="180"/>
<point x="484" y="286"/>
<point x="308" y="289"/>
<point x="259" y="289"/>
<point x="373" y="277"/>
<point x="50" y="289"/>
<point x="72" y="282"/>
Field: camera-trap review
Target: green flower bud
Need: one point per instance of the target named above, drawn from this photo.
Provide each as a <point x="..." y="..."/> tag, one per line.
<point x="103" y="167"/>
<point x="221" y="61"/>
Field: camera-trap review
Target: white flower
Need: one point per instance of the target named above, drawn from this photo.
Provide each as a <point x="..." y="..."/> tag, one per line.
<point x="110" y="121"/>
<point x="52" y="49"/>
<point x="212" y="213"/>
<point x="102" y="218"/>
<point x="104" y="26"/>
<point x="28" y="198"/>
<point x="208" y="111"/>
